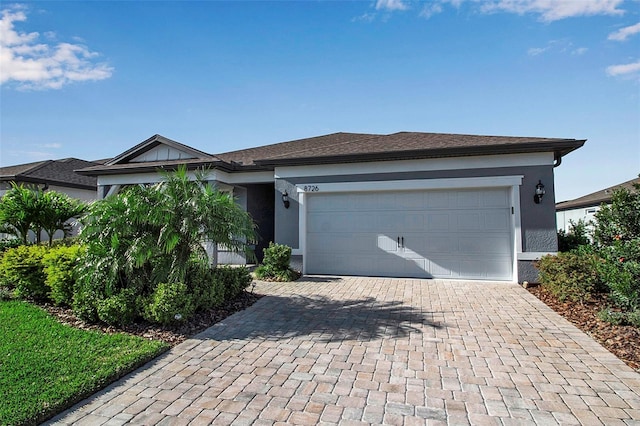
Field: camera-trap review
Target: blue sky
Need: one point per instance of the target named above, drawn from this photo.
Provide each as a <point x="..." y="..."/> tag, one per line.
<point x="92" y="79"/>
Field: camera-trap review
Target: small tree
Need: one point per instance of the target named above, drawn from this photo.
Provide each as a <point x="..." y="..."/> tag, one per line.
<point x="617" y="238"/>
<point x="20" y="210"/>
<point x="55" y="212"/>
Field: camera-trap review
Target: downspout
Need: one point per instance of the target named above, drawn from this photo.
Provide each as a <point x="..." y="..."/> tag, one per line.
<point x="557" y="158"/>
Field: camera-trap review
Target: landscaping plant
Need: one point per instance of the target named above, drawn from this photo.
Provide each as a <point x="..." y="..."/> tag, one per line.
<point x="147" y="235"/>
<point x="24" y="209"/>
<point x="610" y="264"/>
<point x="276" y="264"/>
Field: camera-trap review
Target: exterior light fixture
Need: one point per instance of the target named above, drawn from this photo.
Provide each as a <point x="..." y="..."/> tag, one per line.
<point x="539" y="192"/>
<point x="285" y="200"/>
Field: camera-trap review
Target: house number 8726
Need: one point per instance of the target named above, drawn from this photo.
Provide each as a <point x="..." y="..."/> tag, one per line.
<point x="311" y="188"/>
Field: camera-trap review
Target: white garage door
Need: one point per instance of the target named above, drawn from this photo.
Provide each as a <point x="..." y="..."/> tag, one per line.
<point x="432" y="234"/>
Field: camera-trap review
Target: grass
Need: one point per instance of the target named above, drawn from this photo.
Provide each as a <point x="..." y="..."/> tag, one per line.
<point x="45" y="366"/>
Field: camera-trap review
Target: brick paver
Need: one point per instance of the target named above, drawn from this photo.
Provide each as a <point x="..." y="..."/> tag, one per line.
<point x="356" y="350"/>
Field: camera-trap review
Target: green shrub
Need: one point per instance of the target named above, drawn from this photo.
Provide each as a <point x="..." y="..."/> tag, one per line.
<point x="59" y="267"/>
<point x="232" y="279"/>
<point x="7" y="243"/>
<point x="85" y="302"/>
<point x="119" y="309"/>
<point x="620" y="317"/>
<point x="276" y="264"/>
<point x="571" y="276"/>
<point x="208" y="291"/>
<point x="169" y="303"/>
<point x="574" y="238"/>
<point x="22" y="268"/>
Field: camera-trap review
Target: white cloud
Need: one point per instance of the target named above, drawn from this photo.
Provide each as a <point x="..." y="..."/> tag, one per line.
<point x="623" y="33"/>
<point x="34" y="65"/>
<point x="535" y="51"/>
<point x="430" y="9"/>
<point x="391" y="5"/>
<point x="554" y="10"/>
<point x="50" y="145"/>
<point x="580" y="51"/>
<point x="623" y="69"/>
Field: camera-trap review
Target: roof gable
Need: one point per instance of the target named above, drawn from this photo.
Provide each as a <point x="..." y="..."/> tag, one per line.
<point x="159" y="149"/>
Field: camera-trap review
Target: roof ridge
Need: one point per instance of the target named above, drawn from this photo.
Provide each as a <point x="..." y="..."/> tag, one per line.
<point x="36" y="167"/>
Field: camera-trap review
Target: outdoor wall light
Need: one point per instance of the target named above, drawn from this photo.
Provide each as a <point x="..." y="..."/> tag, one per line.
<point x="539" y="192"/>
<point x="285" y="199"/>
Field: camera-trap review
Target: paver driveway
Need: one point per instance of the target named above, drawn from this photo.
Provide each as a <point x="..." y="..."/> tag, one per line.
<point x="371" y="350"/>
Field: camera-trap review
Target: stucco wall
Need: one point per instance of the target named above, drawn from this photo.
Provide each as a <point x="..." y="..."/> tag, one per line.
<point x="538" y="221"/>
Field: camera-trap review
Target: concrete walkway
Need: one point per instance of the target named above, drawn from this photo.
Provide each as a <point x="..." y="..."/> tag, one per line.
<point x="379" y="351"/>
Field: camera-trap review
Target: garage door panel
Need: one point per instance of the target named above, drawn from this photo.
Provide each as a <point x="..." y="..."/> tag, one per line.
<point x="444" y="234"/>
<point x="466" y="199"/>
<point x="495" y="198"/>
<point x="498" y="220"/>
<point x="437" y="222"/>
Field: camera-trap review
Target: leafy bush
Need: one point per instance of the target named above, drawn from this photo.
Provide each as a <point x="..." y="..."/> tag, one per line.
<point x="232" y="279"/>
<point x="573" y="276"/>
<point x="59" y="268"/>
<point x="574" y="238"/>
<point x="617" y="238"/>
<point x="276" y="264"/>
<point x="7" y="243"/>
<point x="22" y="268"/>
<point x="170" y="302"/>
<point x="119" y="309"/>
<point x="149" y="235"/>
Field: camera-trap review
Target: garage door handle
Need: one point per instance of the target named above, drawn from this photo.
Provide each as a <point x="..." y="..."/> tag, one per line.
<point x="402" y="242"/>
<point x="398" y="242"/>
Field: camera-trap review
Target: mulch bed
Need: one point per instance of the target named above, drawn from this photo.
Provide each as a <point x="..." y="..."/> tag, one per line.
<point x="621" y="340"/>
<point x="173" y="334"/>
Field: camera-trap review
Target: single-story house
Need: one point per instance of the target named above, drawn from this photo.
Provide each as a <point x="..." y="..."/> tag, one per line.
<point x="405" y="204"/>
<point x="584" y="208"/>
<point x="54" y="175"/>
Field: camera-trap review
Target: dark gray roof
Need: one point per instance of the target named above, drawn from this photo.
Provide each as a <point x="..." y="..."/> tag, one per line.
<point x="344" y="148"/>
<point x="52" y="172"/>
<point x="595" y="198"/>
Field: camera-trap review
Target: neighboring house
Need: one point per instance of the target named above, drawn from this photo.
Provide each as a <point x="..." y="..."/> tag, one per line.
<point x="585" y="207"/>
<point x="401" y="205"/>
<point x="54" y="175"/>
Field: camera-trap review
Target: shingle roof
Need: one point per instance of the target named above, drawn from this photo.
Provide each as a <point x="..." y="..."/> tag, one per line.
<point x="595" y="198"/>
<point x="420" y="145"/>
<point x="54" y="172"/>
<point x="344" y="147"/>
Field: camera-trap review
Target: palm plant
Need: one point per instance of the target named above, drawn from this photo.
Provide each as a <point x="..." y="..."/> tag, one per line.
<point x="56" y="209"/>
<point x="156" y="233"/>
<point x="20" y="210"/>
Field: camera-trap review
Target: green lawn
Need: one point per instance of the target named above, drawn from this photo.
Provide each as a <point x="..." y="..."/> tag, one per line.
<point x="46" y="366"/>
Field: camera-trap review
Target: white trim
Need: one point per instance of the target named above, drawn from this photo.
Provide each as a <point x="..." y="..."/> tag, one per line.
<point x="245" y="177"/>
<point x="302" y="229"/>
<point x="218" y="175"/>
<point x="296" y="252"/>
<point x="422" y="165"/>
<point x="516" y="227"/>
<point x="408" y="185"/>
<point x="513" y="182"/>
<point x="535" y="255"/>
